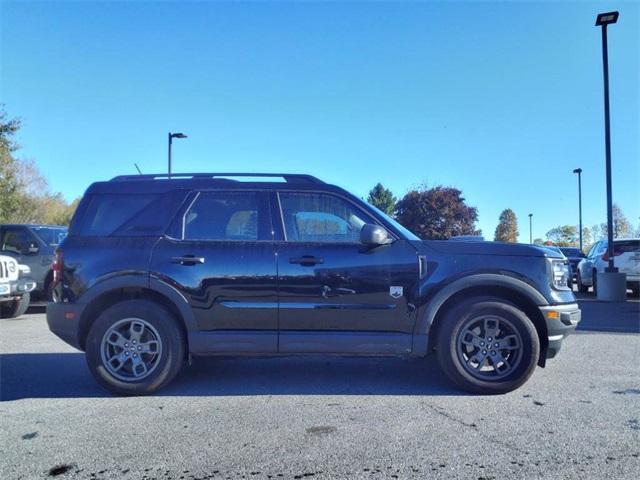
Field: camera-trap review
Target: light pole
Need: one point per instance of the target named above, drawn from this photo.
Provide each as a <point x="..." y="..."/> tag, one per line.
<point x="530" y="229"/>
<point x="603" y="20"/>
<point x="171" y="137"/>
<point x="579" y="172"/>
<point x="611" y="285"/>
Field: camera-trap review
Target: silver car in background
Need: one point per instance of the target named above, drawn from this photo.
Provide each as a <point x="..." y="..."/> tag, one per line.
<point x="626" y="257"/>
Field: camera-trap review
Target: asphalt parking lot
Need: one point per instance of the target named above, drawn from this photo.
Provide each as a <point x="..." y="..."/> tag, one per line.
<point x="325" y="417"/>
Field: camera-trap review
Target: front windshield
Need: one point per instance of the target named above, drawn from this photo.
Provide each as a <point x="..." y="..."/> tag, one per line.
<point x="407" y="233"/>
<point x="51" y="235"/>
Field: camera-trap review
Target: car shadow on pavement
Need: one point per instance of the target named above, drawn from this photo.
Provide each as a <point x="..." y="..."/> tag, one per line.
<point x="65" y="375"/>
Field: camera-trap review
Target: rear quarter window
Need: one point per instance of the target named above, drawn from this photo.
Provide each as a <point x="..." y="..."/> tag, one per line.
<point x="129" y="214"/>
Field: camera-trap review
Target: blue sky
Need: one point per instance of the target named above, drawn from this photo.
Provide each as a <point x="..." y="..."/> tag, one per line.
<point x="500" y="99"/>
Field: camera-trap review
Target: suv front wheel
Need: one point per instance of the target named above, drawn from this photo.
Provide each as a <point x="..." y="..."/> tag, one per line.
<point x="135" y="347"/>
<point x="487" y="346"/>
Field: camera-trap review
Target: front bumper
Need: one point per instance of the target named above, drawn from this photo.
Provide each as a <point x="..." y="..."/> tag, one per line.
<point x="64" y="320"/>
<point x="561" y="320"/>
<point x="17" y="288"/>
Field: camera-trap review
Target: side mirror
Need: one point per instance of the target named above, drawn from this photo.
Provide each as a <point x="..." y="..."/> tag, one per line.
<point x="374" y="235"/>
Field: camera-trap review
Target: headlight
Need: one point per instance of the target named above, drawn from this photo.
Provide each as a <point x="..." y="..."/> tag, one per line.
<point x="559" y="273"/>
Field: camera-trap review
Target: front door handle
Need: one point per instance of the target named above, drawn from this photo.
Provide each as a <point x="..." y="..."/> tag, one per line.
<point x="188" y="260"/>
<point x="306" y="260"/>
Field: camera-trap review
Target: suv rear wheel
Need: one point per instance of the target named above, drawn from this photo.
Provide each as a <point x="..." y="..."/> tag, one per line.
<point x="488" y="346"/>
<point x="135" y="347"/>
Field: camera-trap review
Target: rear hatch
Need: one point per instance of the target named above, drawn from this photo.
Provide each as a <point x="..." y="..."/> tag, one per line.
<point x="626" y="256"/>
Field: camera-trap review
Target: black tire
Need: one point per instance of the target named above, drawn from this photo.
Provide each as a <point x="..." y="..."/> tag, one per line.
<point x="166" y="363"/>
<point x="594" y="281"/>
<point x="581" y="287"/>
<point x="455" y="325"/>
<point x="15" y="309"/>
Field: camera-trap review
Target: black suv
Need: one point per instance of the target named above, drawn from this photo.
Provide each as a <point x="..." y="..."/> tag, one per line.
<point x="157" y="269"/>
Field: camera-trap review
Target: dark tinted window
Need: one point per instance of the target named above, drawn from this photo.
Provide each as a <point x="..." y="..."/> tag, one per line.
<point x="227" y="216"/>
<point x="626" y="246"/>
<point x="571" y="252"/>
<point x="16" y="240"/>
<point x="314" y="217"/>
<point x="50" y="235"/>
<point x="108" y="212"/>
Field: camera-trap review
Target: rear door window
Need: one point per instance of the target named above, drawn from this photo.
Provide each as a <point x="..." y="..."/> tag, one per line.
<point x="224" y="215"/>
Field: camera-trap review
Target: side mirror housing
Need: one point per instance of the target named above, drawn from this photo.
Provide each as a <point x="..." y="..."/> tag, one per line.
<point x="374" y="235"/>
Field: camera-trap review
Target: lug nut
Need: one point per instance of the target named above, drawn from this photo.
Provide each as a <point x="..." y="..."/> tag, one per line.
<point x="140" y="348"/>
<point x="495" y="345"/>
<point x="126" y="354"/>
<point x="482" y="344"/>
<point x="484" y="352"/>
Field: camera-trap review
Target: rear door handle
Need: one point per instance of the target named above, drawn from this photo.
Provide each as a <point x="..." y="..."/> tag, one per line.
<point x="188" y="260"/>
<point x="306" y="260"/>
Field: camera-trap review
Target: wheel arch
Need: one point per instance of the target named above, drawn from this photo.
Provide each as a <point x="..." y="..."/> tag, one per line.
<point x="508" y="289"/>
<point x="110" y="292"/>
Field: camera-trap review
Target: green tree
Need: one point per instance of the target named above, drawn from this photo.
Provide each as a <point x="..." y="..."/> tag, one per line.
<point x="9" y="183"/>
<point x="382" y="198"/>
<point x="507" y="229"/>
<point x="25" y="196"/>
<point x="563" y="235"/>
<point x="437" y="213"/>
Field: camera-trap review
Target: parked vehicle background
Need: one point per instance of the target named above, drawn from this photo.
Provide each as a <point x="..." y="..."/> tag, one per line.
<point x="34" y="246"/>
<point x="626" y="257"/>
<point x="15" y="287"/>
<point x="574" y="255"/>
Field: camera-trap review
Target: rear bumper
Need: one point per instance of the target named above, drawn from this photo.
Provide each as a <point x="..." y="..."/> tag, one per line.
<point x="64" y="320"/>
<point x="561" y="320"/>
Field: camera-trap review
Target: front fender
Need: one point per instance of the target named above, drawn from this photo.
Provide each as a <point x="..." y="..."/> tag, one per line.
<point x="428" y="315"/>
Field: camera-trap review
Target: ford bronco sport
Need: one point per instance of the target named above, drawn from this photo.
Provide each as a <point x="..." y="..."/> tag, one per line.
<point x="157" y="269"/>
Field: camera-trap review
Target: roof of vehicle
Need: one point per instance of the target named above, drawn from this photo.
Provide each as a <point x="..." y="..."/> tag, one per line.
<point x="160" y="183"/>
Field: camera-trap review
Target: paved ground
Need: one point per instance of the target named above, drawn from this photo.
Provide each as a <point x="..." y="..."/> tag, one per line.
<point x="322" y="417"/>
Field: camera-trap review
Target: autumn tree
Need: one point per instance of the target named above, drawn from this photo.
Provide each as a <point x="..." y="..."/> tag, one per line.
<point x="563" y="235"/>
<point x="25" y="195"/>
<point x="382" y="198"/>
<point x="437" y="213"/>
<point x="507" y="229"/>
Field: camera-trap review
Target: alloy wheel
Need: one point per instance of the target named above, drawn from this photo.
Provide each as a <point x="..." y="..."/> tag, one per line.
<point x="489" y="347"/>
<point x="131" y="349"/>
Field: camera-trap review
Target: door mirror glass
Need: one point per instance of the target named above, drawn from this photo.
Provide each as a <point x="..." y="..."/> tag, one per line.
<point x="374" y="235"/>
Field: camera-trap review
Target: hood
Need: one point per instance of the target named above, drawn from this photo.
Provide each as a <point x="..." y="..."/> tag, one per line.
<point x="487" y="248"/>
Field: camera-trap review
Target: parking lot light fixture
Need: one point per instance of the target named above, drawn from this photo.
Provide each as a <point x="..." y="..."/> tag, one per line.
<point x="530" y="229"/>
<point x="579" y="172"/>
<point x="171" y="137"/>
<point x="603" y="20"/>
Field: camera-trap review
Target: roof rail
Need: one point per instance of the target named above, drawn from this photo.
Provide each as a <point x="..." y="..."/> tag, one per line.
<point x="288" y="177"/>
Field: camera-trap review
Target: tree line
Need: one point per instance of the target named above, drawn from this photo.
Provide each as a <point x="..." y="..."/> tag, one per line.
<point x="441" y="213"/>
<point x="25" y="194"/>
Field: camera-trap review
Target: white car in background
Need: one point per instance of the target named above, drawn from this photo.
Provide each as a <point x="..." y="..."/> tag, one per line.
<point x="15" y="287"/>
<point x="626" y="257"/>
